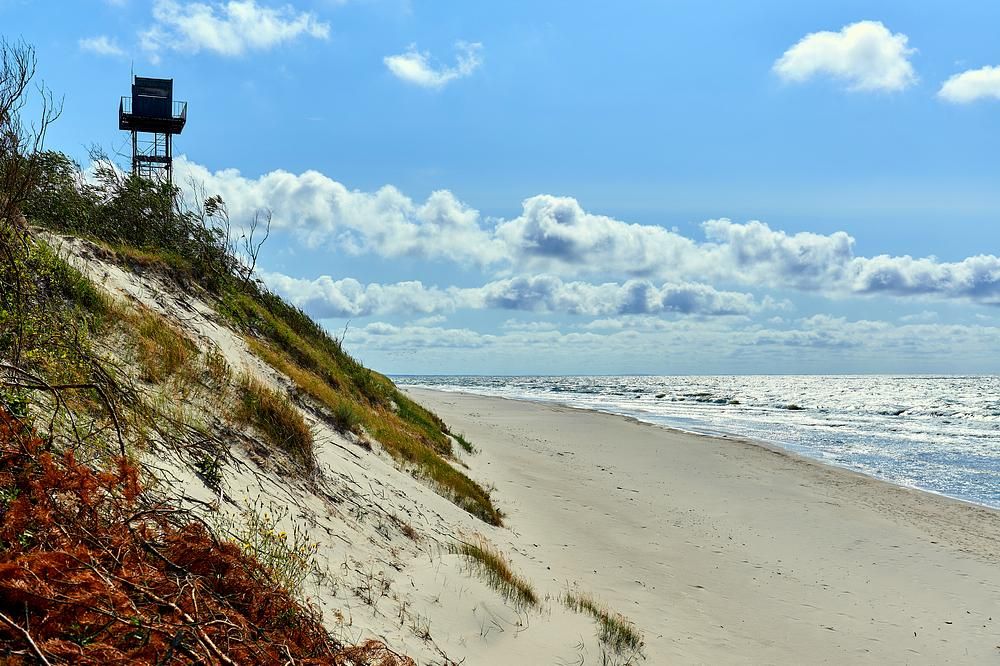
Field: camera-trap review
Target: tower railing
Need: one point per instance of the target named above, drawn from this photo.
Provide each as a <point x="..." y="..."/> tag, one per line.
<point x="177" y="112"/>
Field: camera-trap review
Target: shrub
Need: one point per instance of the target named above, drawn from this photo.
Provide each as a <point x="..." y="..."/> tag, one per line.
<point x="91" y="572"/>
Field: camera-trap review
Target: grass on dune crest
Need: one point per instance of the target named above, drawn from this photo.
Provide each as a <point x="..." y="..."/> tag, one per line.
<point x="405" y="432"/>
<point x="356" y="396"/>
<point x="493" y="566"/>
<point x="149" y="225"/>
<point x="463" y="442"/>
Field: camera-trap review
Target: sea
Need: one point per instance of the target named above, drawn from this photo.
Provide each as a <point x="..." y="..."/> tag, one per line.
<point x="937" y="433"/>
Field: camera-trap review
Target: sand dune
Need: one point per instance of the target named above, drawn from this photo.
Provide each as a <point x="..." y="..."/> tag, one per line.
<point x="725" y="551"/>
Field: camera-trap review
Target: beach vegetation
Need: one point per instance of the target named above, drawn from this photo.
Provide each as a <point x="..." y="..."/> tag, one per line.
<point x="616" y="632"/>
<point x="288" y="555"/>
<point x="463" y="442"/>
<point x="273" y="414"/>
<point x="146" y="225"/>
<point x="493" y="566"/>
<point x="162" y="350"/>
<point x="409" y="433"/>
<point x="94" y="570"/>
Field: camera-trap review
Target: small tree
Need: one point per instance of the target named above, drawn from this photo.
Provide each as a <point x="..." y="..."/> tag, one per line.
<point x="21" y="147"/>
<point x="21" y="143"/>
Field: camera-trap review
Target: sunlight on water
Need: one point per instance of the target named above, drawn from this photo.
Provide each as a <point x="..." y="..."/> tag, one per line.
<point x="937" y="433"/>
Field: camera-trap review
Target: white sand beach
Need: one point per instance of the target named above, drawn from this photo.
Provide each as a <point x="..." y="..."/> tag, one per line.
<point x="725" y="551"/>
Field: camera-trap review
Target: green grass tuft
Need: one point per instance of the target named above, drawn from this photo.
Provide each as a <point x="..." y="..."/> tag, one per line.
<point x="273" y="414"/>
<point x="464" y="443"/>
<point x="491" y="564"/>
<point x="615" y="630"/>
<point x="162" y="349"/>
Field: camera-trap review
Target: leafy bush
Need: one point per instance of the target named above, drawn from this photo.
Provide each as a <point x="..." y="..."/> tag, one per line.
<point x="140" y="217"/>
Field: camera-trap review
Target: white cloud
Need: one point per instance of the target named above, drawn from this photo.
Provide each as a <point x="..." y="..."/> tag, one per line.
<point x="864" y="55"/>
<point x="972" y="85"/>
<point x="924" y="317"/>
<point x="101" y="45"/>
<point x="546" y="293"/>
<point x="416" y="67"/>
<point x="976" y="278"/>
<point x="385" y="222"/>
<point x="518" y="325"/>
<point x="554" y="232"/>
<point x="325" y="297"/>
<point x="555" y="236"/>
<point x="230" y="29"/>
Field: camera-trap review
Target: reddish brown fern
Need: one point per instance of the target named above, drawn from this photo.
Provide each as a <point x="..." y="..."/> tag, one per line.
<point x="92" y="572"/>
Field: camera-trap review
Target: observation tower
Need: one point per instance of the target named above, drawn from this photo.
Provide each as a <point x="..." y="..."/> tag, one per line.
<point x="153" y="118"/>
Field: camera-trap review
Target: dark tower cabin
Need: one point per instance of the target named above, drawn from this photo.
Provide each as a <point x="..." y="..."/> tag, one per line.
<point x="153" y="117"/>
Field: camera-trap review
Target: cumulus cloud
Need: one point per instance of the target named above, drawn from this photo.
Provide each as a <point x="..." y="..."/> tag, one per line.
<point x="864" y="55"/>
<point x="556" y="237"/>
<point x="753" y="252"/>
<point x="380" y="335"/>
<point x="972" y="85"/>
<point x="554" y="231"/>
<point x="325" y="297"/>
<point x="925" y="316"/>
<point x="975" y="278"/>
<point x="385" y="222"/>
<point x="101" y="45"/>
<point x="417" y="67"/>
<point x="229" y="29"/>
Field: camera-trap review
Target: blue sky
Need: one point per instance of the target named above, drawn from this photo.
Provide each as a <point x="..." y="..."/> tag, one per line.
<point x="585" y="187"/>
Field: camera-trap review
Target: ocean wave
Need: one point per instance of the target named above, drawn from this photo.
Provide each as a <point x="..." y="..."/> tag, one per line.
<point x="939" y="433"/>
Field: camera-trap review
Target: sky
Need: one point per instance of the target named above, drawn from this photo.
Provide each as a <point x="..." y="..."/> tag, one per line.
<point x="583" y="187"/>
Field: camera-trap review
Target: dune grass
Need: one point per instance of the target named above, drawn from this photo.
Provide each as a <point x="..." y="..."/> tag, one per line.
<point x="357" y="398"/>
<point x="615" y="630"/>
<point x="161" y="349"/>
<point x="463" y="442"/>
<point x="340" y="410"/>
<point x="495" y="569"/>
<point x="276" y="418"/>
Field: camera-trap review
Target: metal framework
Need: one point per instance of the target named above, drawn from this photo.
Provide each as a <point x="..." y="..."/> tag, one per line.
<point x="152" y="117"/>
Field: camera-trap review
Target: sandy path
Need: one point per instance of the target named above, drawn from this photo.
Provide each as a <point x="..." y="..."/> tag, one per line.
<point x="728" y="552"/>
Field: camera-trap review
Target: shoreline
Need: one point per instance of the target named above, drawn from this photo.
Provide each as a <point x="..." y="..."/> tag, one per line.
<point x="774" y="447"/>
<point x="726" y="550"/>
